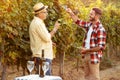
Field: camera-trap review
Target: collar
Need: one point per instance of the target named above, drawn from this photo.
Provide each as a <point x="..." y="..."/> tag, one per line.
<point x="37" y="18"/>
<point x="96" y="25"/>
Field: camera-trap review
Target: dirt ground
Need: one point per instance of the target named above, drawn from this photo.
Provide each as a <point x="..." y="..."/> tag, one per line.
<point x="70" y="71"/>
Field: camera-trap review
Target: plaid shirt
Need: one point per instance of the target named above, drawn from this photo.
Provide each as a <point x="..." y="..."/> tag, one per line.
<point x="98" y="38"/>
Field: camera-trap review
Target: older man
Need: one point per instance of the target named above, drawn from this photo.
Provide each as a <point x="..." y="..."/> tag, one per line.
<point x="40" y="38"/>
<point x="94" y="42"/>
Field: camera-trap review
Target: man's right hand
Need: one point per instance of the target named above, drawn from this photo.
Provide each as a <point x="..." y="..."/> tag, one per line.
<point x="69" y="11"/>
<point x="73" y="16"/>
<point x="56" y="26"/>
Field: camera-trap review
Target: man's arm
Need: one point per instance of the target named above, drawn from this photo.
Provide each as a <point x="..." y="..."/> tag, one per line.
<point x="56" y="27"/>
<point x="73" y="16"/>
<point x="95" y="49"/>
<point x="79" y="22"/>
<point x="42" y="32"/>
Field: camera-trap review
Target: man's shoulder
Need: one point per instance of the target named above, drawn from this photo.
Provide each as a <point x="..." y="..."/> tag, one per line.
<point x="35" y="23"/>
<point x="101" y="27"/>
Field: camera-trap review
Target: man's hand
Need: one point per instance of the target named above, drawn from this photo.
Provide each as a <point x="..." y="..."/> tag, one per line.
<point x="56" y="26"/>
<point x="73" y="16"/>
<point x="83" y="50"/>
<point x="69" y="11"/>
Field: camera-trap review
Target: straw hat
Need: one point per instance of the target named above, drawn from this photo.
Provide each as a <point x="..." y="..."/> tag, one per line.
<point x="39" y="7"/>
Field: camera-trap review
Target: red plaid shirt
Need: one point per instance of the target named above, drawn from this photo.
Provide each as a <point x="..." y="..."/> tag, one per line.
<point x="98" y="38"/>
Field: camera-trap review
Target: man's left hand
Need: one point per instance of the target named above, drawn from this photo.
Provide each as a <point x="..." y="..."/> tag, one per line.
<point x="83" y="50"/>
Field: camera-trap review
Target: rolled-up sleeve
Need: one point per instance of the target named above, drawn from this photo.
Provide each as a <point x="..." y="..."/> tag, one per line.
<point x="83" y="24"/>
<point x="101" y="38"/>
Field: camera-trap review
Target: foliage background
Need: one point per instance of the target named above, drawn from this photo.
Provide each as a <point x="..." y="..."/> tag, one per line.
<point x="16" y="15"/>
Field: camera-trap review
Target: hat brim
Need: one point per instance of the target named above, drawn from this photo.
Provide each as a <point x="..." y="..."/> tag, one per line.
<point x="45" y="7"/>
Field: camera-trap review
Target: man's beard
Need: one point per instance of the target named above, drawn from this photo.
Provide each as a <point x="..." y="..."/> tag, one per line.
<point x="92" y="19"/>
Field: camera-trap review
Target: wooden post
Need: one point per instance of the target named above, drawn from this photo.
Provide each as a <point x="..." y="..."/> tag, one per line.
<point x="61" y="68"/>
<point x="4" y="72"/>
<point x="3" y="77"/>
<point x="78" y="59"/>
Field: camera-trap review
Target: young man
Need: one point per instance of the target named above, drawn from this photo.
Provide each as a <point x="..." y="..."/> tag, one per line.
<point x="94" y="42"/>
<point x="40" y="38"/>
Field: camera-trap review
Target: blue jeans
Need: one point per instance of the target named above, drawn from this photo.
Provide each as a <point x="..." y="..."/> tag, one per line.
<point x="37" y="60"/>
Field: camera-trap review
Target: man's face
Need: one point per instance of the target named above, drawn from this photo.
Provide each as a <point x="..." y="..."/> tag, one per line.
<point x="43" y="14"/>
<point x="92" y="15"/>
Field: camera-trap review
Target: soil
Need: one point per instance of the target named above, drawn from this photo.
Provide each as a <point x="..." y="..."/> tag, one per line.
<point x="70" y="71"/>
